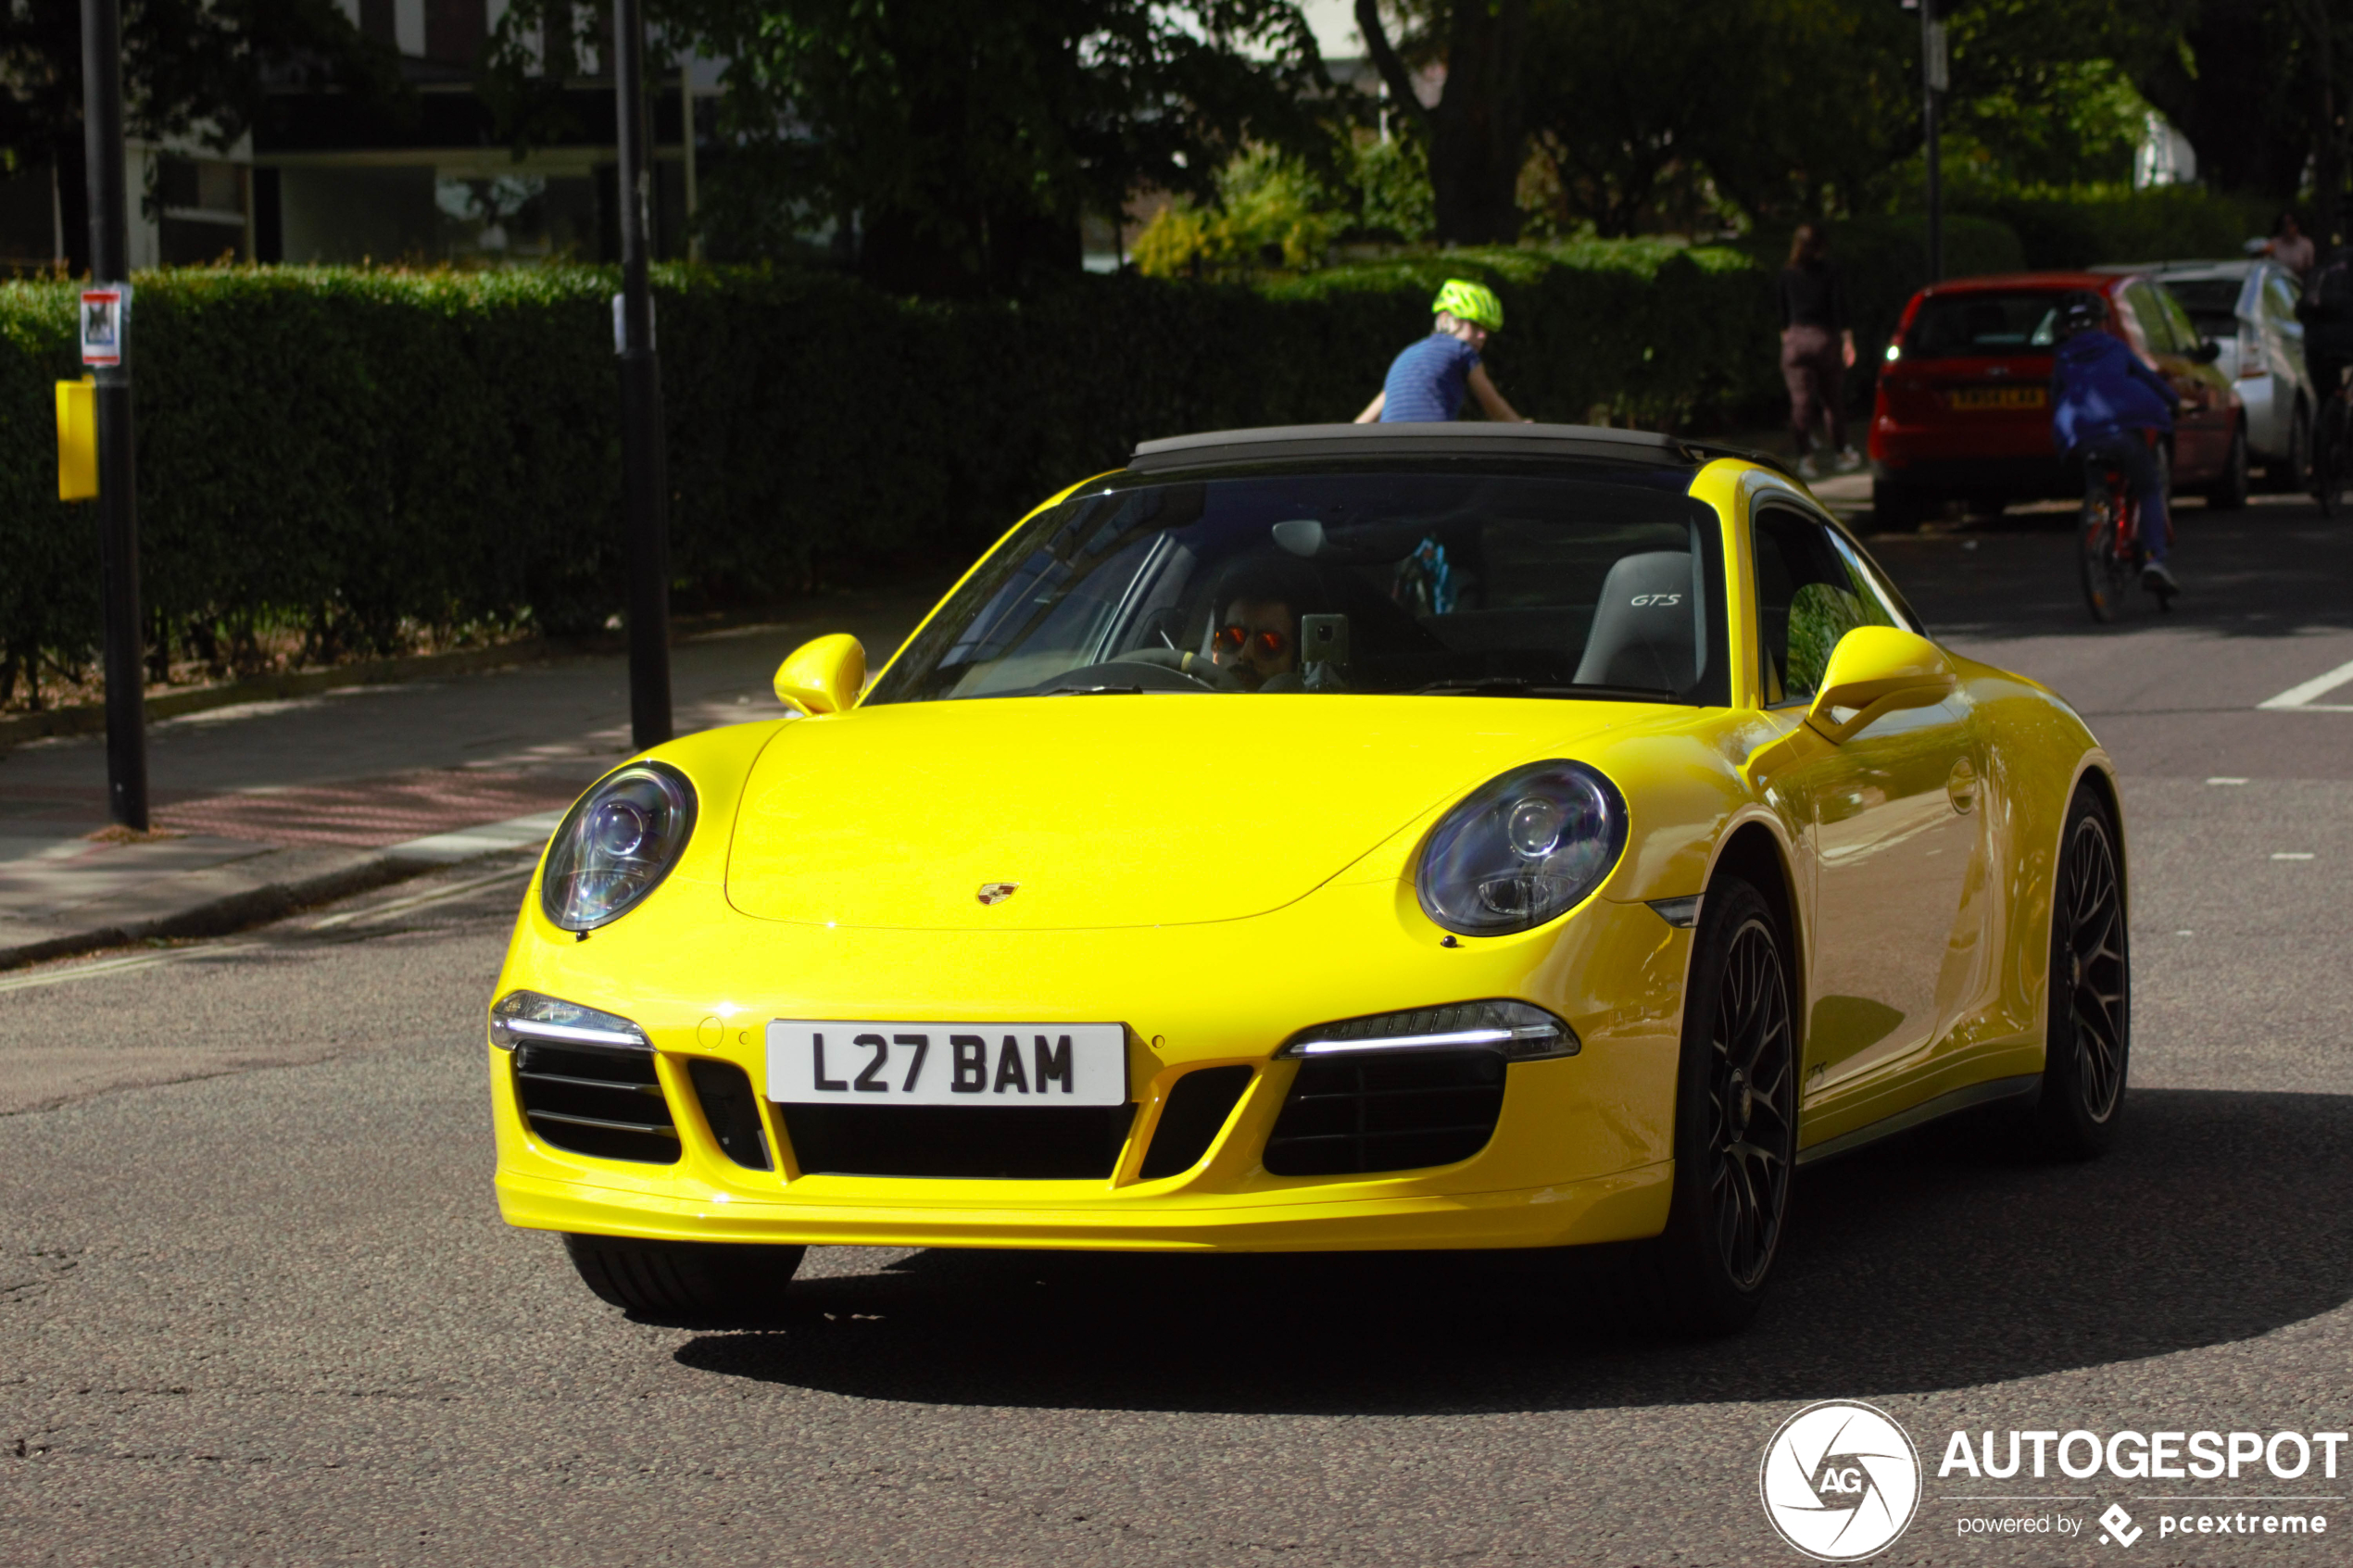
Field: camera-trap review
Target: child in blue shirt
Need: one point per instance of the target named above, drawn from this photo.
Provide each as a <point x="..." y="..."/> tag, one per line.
<point x="1427" y="381"/>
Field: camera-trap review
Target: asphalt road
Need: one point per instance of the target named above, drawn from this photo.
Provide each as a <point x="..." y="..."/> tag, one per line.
<point x="257" y="1305"/>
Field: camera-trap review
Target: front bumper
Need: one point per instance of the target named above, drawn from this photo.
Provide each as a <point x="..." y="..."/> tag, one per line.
<point x="1579" y="1153"/>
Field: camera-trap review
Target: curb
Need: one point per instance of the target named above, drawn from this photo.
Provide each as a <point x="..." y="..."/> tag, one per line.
<point x="231" y="912"/>
<point x="272" y="901"/>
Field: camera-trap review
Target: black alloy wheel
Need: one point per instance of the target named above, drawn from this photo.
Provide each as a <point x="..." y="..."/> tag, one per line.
<point x="2088" y="1037"/>
<point x="1735" y="1124"/>
<point x="2108" y="565"/>
<point x="693" y="1284"/>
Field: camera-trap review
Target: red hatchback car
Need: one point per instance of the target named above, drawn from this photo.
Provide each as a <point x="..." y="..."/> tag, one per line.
<point x="1963" y="403"/>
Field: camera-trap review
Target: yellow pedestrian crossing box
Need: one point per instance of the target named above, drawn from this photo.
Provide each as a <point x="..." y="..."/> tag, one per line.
<point x="78" y="440"/>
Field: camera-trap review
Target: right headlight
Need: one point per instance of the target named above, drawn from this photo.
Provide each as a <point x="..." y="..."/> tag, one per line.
<point x="616" y="844"/>
<point x="1521" y="850"/>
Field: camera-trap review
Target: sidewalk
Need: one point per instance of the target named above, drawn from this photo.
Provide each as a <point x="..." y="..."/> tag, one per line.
<point x="270" y="806"/>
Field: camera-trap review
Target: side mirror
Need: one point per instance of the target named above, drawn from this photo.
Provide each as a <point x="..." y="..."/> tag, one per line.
<point x="1877" y="671"/>
<point x="822" y="676"/>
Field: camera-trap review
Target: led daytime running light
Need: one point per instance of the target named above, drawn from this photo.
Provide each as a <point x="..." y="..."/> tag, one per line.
<point x="1516" y="1030"/>
<point x="521" y="1018"/>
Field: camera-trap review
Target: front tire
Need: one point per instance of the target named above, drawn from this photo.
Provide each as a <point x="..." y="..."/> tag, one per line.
<point x="1735" y="1122"/>
<point x="2088" y="1028"/>
<point x="689" y="1281"/>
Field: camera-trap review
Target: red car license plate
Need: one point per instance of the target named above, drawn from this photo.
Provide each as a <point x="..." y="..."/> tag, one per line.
<point x="1998" y="398"/>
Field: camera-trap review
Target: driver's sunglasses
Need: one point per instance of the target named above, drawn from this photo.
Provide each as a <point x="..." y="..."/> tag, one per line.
<point x="1233" y="639"/>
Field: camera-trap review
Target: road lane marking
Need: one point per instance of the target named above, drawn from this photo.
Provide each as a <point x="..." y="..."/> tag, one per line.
<point x="123" y="965"/>
<point x="2289" y="855"/>
<point x="419" y="900"/>
<point x="2226" y="781"/>
<point x="2299" y="698"/>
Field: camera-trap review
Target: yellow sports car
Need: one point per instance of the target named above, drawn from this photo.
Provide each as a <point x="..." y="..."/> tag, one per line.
<point x="1357" y="837"/>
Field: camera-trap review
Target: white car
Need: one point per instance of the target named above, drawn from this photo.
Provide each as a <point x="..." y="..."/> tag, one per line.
<point x="2247" y="308"/>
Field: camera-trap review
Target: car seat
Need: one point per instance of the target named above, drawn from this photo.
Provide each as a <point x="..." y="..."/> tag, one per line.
<point x="1641" y="634"/>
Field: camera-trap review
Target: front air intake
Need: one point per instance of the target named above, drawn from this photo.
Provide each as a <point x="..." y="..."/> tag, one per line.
<point x="1191" y="1120"/>
<point x="1349" y="1115"/>
<point x="1016" y="1143"/>
<point x="730" y="1107"/>
<point x="607" y="1104"/>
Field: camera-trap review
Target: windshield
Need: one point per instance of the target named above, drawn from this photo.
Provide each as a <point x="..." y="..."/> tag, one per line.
<point x="1956" y="326"/>
<point x="1448" y="581"/>
<point x="2213" y="303"/>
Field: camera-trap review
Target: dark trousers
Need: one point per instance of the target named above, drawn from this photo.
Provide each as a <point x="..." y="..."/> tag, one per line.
<point x="1812" y="369"/>
<point x="2129" y="455"/>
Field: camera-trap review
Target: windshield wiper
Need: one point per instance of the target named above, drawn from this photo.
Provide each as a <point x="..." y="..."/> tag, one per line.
<point x="1516" y="685"/>
<point x="1092" y="691"/>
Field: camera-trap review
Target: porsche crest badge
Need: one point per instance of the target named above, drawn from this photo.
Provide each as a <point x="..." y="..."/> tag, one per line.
<point x="997" y="892"/>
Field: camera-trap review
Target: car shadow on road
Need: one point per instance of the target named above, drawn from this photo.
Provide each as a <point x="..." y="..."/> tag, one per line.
<point x="1939" y="1261"/>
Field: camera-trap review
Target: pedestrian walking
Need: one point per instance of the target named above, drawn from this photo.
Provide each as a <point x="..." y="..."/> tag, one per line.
<point x="1818" y="347"/>
<point x="2292" y="247"/>
<point x="1427" y="381"/>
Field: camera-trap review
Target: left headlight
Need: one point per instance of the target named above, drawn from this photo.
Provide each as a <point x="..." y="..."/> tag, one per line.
<point x="616" y="844"/>
<point x="1521" y="850"/>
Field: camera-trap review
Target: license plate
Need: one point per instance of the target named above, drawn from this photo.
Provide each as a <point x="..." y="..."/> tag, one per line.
<point x="830" y="1063"/>
<point x="1998" y="398"/>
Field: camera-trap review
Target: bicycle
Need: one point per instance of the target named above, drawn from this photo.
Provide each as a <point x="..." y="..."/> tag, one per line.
<point x="2112" y="553"/>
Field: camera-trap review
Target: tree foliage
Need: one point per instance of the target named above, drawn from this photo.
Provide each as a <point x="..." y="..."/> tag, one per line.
<point x="965" y="140"/>
<point x="195" y="69"/>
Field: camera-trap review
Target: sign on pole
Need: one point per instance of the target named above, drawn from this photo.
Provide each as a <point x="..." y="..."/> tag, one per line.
<point x="105" y="323"/>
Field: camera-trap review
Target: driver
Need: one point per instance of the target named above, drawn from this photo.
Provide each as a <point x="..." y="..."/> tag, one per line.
<point x="1256" y="639"/>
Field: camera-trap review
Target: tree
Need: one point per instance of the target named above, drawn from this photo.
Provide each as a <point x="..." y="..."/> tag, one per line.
<point x="1825" y="102"/>
<point x="198" y="70"/>
<point x="965" y="139"/>
<point x="1477" y="131"/>
<point x="1621" y="95"/>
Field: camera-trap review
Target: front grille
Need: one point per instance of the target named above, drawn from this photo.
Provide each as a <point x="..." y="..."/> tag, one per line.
<point x="728" y="1106"/>
<point x="1351" y="1114"/>
<point x="1190" y="1123"/>
<point x="1020" y="1143"/>
<point x="607" y="1104"/>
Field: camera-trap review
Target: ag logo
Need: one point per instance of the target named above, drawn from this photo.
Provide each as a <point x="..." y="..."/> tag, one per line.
<point x="1840" y="1481"/>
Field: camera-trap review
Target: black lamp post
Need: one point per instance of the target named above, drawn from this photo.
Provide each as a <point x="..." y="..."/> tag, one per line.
<point x="644" y="525"/>
<point x="118" y="471"/>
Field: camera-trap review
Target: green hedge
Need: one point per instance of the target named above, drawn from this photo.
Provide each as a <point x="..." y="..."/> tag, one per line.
<point x="356" y="453"/>
<point x="2100" y="225"/>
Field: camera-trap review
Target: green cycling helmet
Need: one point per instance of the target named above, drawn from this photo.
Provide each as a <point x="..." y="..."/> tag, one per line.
<point x="1467" y="301"/>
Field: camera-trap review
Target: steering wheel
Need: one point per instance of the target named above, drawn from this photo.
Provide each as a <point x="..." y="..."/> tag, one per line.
<point x="1192" y="667"/>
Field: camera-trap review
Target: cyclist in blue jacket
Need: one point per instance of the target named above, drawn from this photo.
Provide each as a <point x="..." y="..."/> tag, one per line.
<point x="2103" y="401"/>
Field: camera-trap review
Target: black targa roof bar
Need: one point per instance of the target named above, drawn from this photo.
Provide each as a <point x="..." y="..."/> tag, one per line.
<point x="1281" y="442"/>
